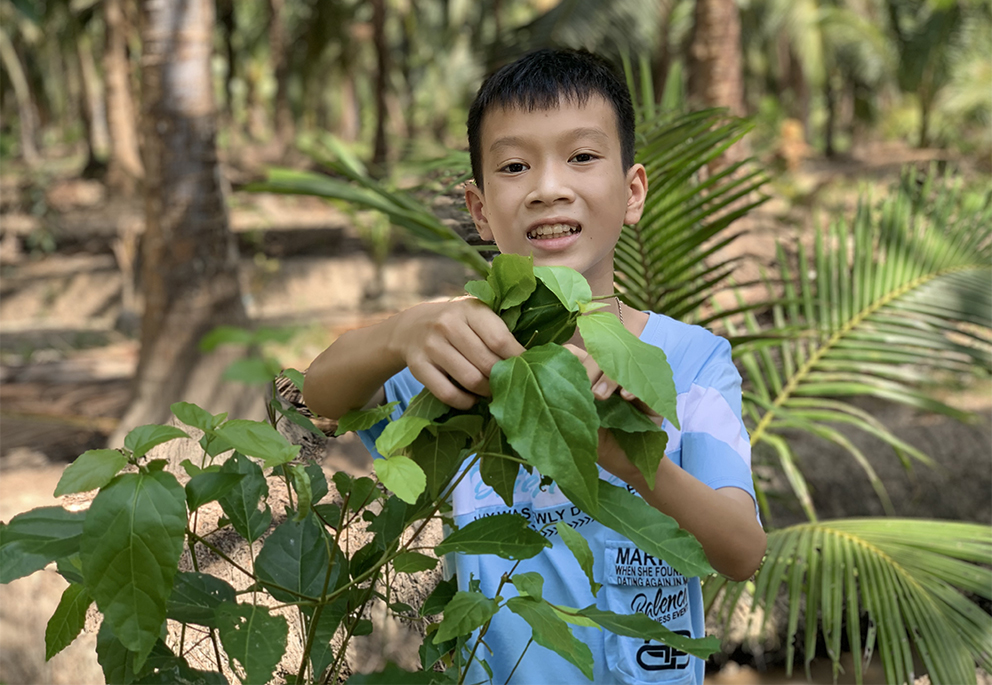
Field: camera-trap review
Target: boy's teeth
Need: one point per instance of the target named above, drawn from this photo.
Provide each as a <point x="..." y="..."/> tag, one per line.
<point x="551" y="231"/>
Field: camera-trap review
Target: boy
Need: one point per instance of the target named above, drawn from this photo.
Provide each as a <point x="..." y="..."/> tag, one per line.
<point x="551" y="139"/>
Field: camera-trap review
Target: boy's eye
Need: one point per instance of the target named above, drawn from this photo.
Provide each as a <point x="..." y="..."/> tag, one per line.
<point x="584" y="157"/>
<point x="513" y="167"/>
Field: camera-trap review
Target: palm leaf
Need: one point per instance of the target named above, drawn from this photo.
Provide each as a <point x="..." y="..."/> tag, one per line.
<point x="361" y="190"/>
<point x="664" y="263"/>
<point x="906" y="576"/>
<point x="886" y="307"/>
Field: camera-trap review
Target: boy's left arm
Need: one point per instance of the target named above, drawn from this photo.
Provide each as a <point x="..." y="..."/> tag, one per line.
<point x="723" y="520"/>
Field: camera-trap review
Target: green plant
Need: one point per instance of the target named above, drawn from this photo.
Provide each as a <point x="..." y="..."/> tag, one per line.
<point x="886" y="307"/>
<point x="124" y="552"/>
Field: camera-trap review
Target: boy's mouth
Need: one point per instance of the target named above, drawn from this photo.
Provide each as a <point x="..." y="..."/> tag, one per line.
<point x="549" y="231"/>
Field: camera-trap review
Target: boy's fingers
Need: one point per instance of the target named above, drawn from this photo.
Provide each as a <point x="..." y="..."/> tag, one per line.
<point x="494" y="334"/>
<point x="442" y="387"/>
<point x="602" y="385"/>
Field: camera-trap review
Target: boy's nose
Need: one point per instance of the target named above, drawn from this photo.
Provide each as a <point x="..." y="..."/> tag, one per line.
<point x="550" y="187"/>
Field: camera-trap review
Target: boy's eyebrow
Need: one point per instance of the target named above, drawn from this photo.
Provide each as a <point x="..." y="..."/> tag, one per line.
<point x="576" y="133"/>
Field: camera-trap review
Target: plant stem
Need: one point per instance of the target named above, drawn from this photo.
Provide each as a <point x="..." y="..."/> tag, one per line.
<point x="311" y="634"/>
<point x="485" y="626"/>
<point x="526" y="647"/>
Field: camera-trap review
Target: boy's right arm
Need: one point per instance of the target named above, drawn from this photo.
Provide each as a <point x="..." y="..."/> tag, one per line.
<point x="450" y="347"/>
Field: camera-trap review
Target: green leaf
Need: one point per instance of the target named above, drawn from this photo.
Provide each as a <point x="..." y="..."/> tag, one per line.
<point x="505" y="535"/>
<point x="571" y="288"/>
<point x="652" y="531"/>
<point x="240" y="505"/>
<point x="322" y="652"/>
<point x="362" y="492"/>
<point x="195" y="598"/>
<point x="132" y="540"/>
<point x="402" y="476"/>
<point x="208" y="486"/>
<point x="295" y="558"/>
<point x="616" y="412"/>
<point x="571" y="615"/>
<point x="259" y="440"/>
<point x="579" y="548"/>
<point x="195" y="416"/>
<point x="637" y="366"/>
<point x="412" y="562"/>
<point x="439" y="456"/>
<point x="252" y="371"/>
<point x="304" y="495"/>
<point x="363" y="419"/>
<point x="318" y="482"/>
<point x="645" y="450"/>
<point x="68" y="620"/>
<point x="464" y="613"/>
<point x="529" y="584"/>
<point x="293" y="414"/>
<point x="254" y="638"/>
<point x="541" y="319"/>
<point x="91" y="469"/>
<point x="363" y="626"/>
<point x="640" y="626"/>
<point x="499" y="474"/>
<point x="512" y="279"/>
<point x="439" y="597"/>
<point x="144" y="438"/>
<point x="551" y="632"/>
<point x="399" y="434"/>
<point x="543" y="403"/>
<point x="295" y="377"/>
<point x="226" y="335"/>
<point x="35" y="538"/>
<point x="481" y="290"/>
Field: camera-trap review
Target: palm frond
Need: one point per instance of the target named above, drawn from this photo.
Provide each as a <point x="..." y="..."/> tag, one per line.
<point x="885" y="307"/>
<point x="662" y="263"/>
<point x="906" y="576"/>
<point x="359" y="189"/>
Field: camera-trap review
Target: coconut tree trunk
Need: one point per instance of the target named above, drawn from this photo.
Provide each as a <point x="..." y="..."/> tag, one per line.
<point x="716" y="74"/>
<point x="280" y="68"/>
<point x="124" y="168"/>
<point x="189" y="274"/>
<point x="380" y="149"/>
<point x="27" y="119"/>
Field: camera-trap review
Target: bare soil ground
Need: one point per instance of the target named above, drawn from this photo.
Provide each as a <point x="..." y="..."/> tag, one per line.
<point x="67" y="357"/>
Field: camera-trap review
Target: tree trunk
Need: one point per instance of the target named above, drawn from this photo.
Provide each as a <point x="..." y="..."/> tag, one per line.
<point x="93" y="108"/>
<point x="380" y="149"/>
<point x="280" y="67"/>
<point x="27" y="119"/>
<point x="716" y="75"/>
<point x="189" y="271"/>
<point x="124" y="168"/>
<point x="226" y="19"/>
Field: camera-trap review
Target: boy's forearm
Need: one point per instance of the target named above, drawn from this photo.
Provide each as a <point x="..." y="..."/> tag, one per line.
<point x="722" y="520"/>
<point x="348" y="374"/>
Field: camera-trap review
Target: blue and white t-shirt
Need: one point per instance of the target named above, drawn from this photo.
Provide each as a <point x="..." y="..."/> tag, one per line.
<point x="713" y="446"/>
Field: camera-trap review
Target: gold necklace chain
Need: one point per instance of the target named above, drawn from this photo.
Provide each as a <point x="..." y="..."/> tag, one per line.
<point x="619" y="308"/>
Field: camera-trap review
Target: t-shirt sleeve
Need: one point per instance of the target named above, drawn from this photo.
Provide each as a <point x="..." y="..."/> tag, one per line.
<point x="716" y="448"/>
<point x="401" y="388"/>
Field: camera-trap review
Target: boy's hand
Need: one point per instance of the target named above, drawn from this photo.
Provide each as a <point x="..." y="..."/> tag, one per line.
<point x="602" y="385"/>
<point x="451" y="347"/>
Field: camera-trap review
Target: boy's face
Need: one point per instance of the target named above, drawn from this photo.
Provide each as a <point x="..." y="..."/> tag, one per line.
<point x="555" y="187"/>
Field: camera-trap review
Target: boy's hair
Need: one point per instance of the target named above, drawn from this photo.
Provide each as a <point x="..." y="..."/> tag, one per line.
<point x="542" y="80"/>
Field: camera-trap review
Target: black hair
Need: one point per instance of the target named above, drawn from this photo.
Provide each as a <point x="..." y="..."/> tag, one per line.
<point x="542" y="80"/>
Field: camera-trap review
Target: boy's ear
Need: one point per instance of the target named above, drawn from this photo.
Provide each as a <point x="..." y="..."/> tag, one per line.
<point x="637" y="192"/>
<point x="476" y="203"/>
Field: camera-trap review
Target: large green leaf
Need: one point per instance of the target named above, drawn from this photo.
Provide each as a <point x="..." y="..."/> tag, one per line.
<point x="130" y="549"/>
<point x="240" y="504"/>
<point x="641" y="626"/>
<point x="68" y="620"/>
<point x="144" y="438"/>
<point x="652" y="531"/>
<point x="403" y="476"/>
<point x="505" y="535"/>
<point x="637" y="366"/>
<point x="91" y="469"/>
<point x="294" y="558"/>
<point x="35" y="538"/>
<point x="579" y="547"/>
<point x="543" y="403"/>
<point x="464" y="613"/>
<point x="551" y="632"/>
<point x="907" y="574"/>
<point x="253" y="638"/>
<point x="195" y="598"/>
<point x="259" y="440"/>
